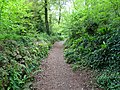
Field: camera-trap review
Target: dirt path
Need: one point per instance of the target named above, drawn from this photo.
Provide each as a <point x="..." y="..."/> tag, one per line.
<point x="57" y="75"/>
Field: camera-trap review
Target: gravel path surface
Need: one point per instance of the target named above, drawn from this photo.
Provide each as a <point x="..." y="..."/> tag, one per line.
<point x="57" y="75"/>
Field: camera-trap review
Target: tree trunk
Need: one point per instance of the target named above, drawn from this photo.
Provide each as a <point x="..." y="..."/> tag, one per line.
<point x="59" y="19"/>
<point x="46" y="17"/>
<point x="50" y="22"/>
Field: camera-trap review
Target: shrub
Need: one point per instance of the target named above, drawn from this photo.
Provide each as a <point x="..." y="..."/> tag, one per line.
<point x="94" y="41"/>
<point x="18" y="60"/>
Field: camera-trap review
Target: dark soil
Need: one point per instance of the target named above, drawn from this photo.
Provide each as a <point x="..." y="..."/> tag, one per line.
<point x="57" y="75"/>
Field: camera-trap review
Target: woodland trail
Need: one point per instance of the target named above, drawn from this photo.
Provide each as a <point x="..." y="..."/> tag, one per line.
<point x="57" y="75"/>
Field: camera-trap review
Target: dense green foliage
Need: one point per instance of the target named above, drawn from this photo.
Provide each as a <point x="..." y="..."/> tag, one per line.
<point x="23" y="42"/>
<point x="18" y="60"/>
<point x="94" y="40"/>
<point x="20" y="17"/>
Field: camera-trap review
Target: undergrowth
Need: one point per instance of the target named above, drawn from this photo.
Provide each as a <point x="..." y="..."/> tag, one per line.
<point x="94" y="42"/>
<point x="20" y="58"/>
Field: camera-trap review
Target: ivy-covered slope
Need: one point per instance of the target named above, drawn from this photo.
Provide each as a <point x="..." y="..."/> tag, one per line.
<point x="94" y="41"/>
<point x="19" y="60"/>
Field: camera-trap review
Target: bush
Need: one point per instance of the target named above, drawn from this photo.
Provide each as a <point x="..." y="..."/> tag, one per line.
<point x="94" y="42"/>
<point x="109" y="80"/>
<point x="18" y="60"/>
